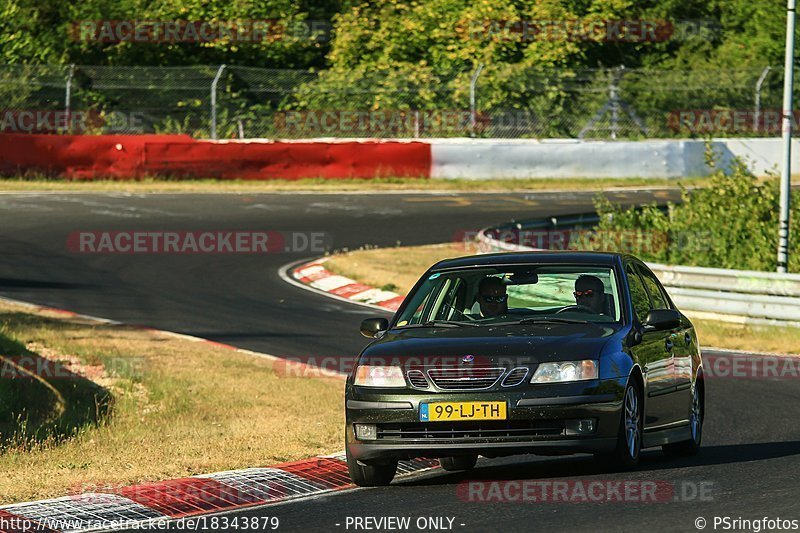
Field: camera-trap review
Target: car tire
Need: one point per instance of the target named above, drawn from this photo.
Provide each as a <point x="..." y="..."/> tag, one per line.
<point x="690" y="447"/>
<point x="459" y="462"/>
<point x="629" y="437"/>
<point x="372" y="474"/>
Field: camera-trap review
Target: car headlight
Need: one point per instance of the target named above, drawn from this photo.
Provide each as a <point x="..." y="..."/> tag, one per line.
<point x="379" y="376"/>
<point x="565" y="371"/>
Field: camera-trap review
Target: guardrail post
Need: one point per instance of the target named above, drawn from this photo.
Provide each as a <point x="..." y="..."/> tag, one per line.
<point x="472" y="104"/>
<point x="68" y="97"/>
<point x="759" y="83"/>
<point x="214" y="102"/>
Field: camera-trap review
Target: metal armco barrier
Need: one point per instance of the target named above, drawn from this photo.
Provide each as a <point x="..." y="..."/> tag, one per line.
<point x="742" y="296"/>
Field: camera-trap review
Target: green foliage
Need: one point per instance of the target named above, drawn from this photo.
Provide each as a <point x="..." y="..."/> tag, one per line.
<point x="48" y="31"/>
<point x="420" y="55"/>
<point x="385" y="35"/>
<point x="732" y="223"/>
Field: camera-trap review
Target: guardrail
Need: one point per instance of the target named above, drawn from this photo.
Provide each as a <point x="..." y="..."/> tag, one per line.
<point x="742" y="296"/>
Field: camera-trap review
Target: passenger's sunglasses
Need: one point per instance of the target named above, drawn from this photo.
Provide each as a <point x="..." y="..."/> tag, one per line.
<point x="492" y="299"/>
<point x="587" y="293"/>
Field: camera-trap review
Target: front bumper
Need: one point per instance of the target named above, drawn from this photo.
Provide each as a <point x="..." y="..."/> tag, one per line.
<point x="538" y="420"/>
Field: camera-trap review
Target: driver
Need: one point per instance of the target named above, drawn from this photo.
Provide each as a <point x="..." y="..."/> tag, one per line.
<point x="590" y="292"/>
<point x="492" y="296"/>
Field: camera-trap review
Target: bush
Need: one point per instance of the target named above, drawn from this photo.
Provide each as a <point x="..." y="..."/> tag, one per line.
<point x="733" y="224"/>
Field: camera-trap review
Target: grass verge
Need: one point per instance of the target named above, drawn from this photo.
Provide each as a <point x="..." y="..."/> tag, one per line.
<point x="127" y="406"/>
<point x="397" y="269"/>
<point x="39" y="184"/>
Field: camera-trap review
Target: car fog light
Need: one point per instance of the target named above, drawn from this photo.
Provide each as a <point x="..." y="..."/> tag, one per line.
<point x="366" y="431"/>
<point x="582" y="426"/>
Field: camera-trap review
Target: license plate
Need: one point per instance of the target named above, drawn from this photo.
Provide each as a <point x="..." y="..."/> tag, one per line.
<point x="447" y="411"/>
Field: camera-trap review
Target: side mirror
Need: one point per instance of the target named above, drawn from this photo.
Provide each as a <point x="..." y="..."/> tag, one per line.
<point x="661" y="319"/>
<point x="372" y="326"/>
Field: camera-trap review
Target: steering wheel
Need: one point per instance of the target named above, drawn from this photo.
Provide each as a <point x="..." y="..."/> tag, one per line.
<point x="464" y="315"/>
<point x="581" y="308"/>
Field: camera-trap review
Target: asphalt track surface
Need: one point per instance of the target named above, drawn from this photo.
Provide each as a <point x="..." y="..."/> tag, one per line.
<point x="233" y="298"/>
<point x="748" y="467"/>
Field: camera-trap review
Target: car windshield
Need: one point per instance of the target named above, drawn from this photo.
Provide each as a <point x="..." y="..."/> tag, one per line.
<point x="514" y="295"/>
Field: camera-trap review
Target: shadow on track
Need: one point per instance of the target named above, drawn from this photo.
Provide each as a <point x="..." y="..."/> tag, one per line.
<point x="584" y="465"/>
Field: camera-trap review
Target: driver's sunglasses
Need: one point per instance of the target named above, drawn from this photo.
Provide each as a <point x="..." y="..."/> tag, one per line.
<point x="492" y="299"/>
<point x="587" y="293"/>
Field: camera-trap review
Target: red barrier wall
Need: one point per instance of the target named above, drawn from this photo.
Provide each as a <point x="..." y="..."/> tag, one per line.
<point x="134" y="156"/>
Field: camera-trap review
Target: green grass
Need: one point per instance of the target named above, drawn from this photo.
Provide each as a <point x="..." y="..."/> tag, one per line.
<point x="140" y="406"/>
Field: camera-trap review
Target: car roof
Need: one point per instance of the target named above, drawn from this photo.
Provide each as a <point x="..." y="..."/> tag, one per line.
<point x="544" y="257"/>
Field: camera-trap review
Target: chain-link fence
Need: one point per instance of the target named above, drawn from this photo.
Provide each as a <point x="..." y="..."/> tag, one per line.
<point x="490" y="101"/>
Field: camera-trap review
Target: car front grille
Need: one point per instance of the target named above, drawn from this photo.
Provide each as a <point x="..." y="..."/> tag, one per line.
<point x="417" y="379"/>
<point x="465" y="378"/>
<point x="515" y="377"/>
<point x="485" y="429"/>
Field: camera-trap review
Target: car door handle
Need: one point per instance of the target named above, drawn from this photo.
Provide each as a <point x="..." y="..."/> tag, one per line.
<point x="668" y="345"/>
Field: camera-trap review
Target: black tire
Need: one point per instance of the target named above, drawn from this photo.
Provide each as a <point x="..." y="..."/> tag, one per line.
<point x="459" y="462"/>
<point x="690" y="447"/>
<point x="629" y="437"/>
<point x="373" y="474"/>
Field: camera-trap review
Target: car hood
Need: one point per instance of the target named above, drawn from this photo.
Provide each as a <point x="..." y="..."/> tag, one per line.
<point x="490" y="345"/>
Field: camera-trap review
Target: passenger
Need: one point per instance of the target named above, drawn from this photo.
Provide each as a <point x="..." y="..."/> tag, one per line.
<point x="492" y="296"/>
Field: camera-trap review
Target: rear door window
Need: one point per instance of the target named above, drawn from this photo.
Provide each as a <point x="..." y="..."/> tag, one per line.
<point x="657" y="296"/>
<point x="639" y="297"/>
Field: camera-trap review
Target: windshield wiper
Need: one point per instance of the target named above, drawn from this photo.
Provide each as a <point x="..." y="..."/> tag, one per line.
<point x="440" y="324"/>
<point x="554" y="320"/>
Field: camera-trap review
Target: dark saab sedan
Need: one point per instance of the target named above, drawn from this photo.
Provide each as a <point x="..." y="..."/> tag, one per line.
<point x="542" y="352"/>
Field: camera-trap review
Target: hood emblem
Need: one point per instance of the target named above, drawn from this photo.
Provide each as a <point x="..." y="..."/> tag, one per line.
<point x="468" y="359"/>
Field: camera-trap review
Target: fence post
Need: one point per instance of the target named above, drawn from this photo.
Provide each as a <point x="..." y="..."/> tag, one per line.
<point x="472" y="105"/>
<point x="68" y="97"/>
<point x="214" y="102"/>
<point x="759" y="83"/>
